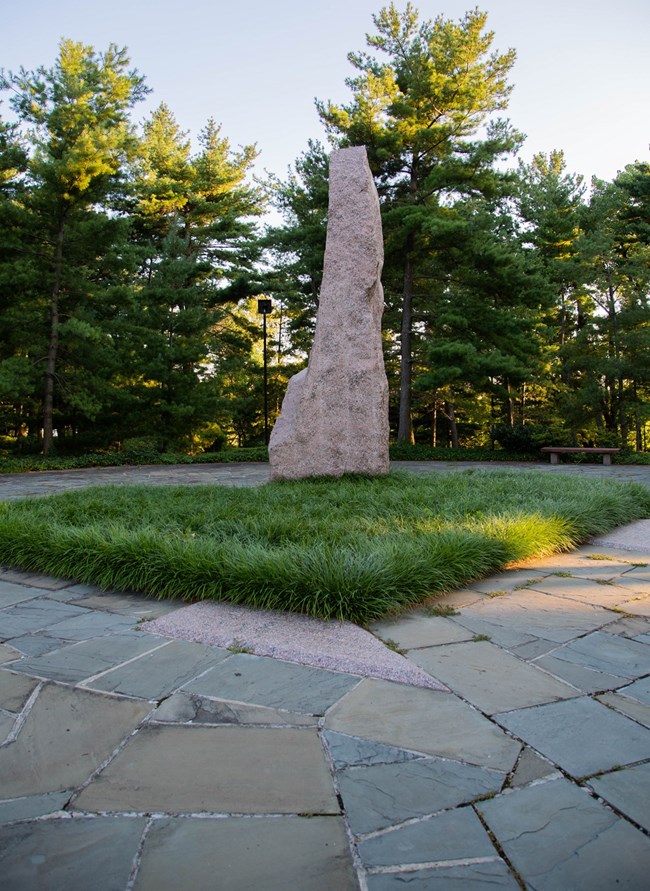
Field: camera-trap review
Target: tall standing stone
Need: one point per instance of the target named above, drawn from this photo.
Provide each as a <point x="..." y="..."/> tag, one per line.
<point x="334" y="417"/>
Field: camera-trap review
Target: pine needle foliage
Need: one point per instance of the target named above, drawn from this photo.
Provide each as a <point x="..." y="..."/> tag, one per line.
<point x="349" y="549"/>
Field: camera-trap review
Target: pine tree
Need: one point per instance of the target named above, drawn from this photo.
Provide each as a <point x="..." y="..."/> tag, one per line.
<point x="296" y="249"/>
<point x="418" y="102"/>
<point x="80" y="137"/>
<point x="193" y="230"/>
<point x="18" y="322"/>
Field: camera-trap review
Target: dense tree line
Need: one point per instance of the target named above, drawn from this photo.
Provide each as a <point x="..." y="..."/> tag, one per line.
<point x="517" y="302"/>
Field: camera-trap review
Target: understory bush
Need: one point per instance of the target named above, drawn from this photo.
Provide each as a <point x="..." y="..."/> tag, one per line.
<point x="142" y="454"/>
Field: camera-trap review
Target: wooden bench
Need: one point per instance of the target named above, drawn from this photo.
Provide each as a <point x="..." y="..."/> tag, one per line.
<point x="556" y="451"/>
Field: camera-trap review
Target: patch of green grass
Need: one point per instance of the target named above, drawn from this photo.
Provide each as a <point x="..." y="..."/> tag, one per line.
<point x="393" y="645"/>
<point x="501" y="593"/>
<point x="479" y="637"/>
<point x="355" y="548"/>
<point x="442" y="610"/>
<point x="238" y="647"/>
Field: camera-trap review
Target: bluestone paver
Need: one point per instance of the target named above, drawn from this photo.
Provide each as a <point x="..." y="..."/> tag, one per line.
<point x="451" y="836"/>
<point x="639" y="711"/>
<point x="262" y="681"/>
<point x="638" y="690"/>
<point x="638" y="606"/>
<point x="11" y="593"/>
<point x="186" y="708"/>
<point x="270" y="853"/>
<point x="38" y="580"/>
<point x="89" y="623"/>
<point x="14" y="690"/>
<point x="8" y="653"/>
<point x="383" y="795"/>
<point x="531" y="650"/>
<point x="350" y="751"/>
<point x="482" y="876"/>
<point x="134" y="605"/>
<point x="80" y="661"/>
<point x="580" y="735"/>
<point x="628" y="790"/>
<point x="423" y="721"/>
<point x="507" y="581"/>
<point x="634" y="627"/>
<point x="533" y="614"/>
<point x="588" y="680"/>
<point x="66" y="736"/>
<point x="418" y="630"/>
<point x="37" y="644"/>
<point x="585" y="590"/>
<point x="490" y="678"/>
<point x="530" y="767"/>
<point x="158" y="673"/>
<point x="35" y="615"/>
<point x="7" y="723"/>
<point x="609" y="653"/>
<point x="557" y="836"/>
<point x="72" y="854"/>
<point x="31" y="806"/>
<point x="221" y="769"/>
<point x="605" y="570"/>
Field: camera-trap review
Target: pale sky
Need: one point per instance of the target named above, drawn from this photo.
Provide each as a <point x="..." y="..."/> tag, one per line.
<point x="255" y="66"/>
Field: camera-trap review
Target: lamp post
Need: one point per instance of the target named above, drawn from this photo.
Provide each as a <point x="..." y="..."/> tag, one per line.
<point x="264" y="307"/>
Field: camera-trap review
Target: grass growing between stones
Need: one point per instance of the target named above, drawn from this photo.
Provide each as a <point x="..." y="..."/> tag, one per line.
<point x="353" y="548"/>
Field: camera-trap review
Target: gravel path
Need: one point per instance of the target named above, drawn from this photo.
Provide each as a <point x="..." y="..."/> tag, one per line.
<point x="340" y="646"/>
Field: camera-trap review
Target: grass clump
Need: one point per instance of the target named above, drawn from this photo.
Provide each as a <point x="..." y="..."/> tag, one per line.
<point x="354" y="548"/>
<point x="442" y="610"/>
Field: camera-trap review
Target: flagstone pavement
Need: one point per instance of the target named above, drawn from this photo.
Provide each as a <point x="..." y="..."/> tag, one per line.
<point x="129" y="760"/>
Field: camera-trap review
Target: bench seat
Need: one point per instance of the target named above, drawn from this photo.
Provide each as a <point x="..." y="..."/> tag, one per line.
<point x="556" y="451"/>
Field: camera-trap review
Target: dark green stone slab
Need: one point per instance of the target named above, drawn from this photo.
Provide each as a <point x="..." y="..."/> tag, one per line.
<point x="582" y="736"/>
<point x="75" y="855"/>
<point x="454" y="835"/>
<point x="471" y="877"/>
<point x="159" y="673"/>
<point x="79" y="661"/>
<point x="384" y="795"/>
<point x="262" y="681"/>
<point x="556" y="836"/>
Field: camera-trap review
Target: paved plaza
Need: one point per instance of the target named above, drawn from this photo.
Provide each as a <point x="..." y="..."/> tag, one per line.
<point x="132" y="760"/>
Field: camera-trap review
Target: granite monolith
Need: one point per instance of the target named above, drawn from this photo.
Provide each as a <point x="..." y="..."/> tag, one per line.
<point x="334" y="417"/>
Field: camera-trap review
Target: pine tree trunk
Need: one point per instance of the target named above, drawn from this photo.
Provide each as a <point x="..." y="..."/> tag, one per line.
<point x="620" y="383"/>
<point x="50" y="368"/>
<point x="434" y="422"/>
<point x="510" y="405"/>
<point x="405" y="426"/>
<point x="637" y="421"/>
<point x="453" y="427"/>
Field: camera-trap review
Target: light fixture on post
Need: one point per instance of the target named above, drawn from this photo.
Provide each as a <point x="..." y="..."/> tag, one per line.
<point x="264" y="307"/>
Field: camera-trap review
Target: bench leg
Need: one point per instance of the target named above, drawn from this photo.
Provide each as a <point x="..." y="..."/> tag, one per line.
<point x="607" y="459"/>
<point x="555" y="458"/>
